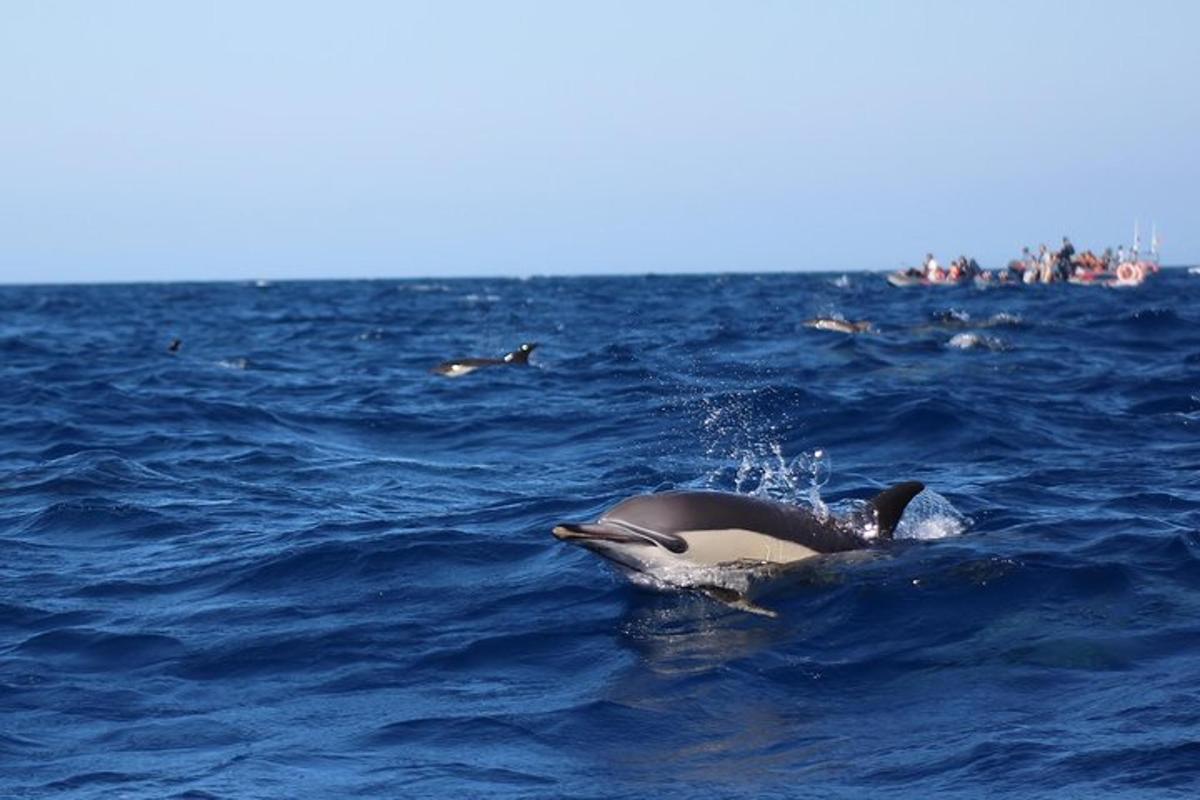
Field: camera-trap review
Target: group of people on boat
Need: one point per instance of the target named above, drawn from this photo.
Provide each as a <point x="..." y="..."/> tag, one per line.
<point x="1112" y="267"/>
<point x="961" y="268"/>
<point x="1049" y="266"/>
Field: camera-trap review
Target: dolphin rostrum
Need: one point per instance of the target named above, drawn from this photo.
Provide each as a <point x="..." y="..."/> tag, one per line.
<point x="658" y="534"/>
<point x="464" y="366"/>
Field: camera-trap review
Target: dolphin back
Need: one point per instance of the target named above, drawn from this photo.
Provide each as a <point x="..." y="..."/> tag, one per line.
<point x="888" y="506"/>
<point x="673" y="512"/>
<point x="678" y="513"/>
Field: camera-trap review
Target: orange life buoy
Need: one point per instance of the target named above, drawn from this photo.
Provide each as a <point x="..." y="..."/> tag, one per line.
<point x="1139" y="273"/>
<point x="1125" y="272"/>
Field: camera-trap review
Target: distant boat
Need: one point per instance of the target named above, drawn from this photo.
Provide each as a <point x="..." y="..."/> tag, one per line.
<point x="903" y="278"/>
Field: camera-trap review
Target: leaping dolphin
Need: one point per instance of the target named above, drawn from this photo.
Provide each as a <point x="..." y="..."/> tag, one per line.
<point x="464" y="366"/>
<point x="656" y="534"/>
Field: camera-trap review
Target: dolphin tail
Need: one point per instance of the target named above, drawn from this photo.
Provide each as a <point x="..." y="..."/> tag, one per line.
<point x="888" y="506"/>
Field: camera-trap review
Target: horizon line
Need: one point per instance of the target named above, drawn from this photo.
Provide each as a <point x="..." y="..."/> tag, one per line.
<point x="263" y="282"/>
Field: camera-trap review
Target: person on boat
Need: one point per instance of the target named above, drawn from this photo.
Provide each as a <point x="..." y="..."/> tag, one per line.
<point x="1106" y="260"/>
<point x="1045" y="264"/>
<point x="1120" y="254"/>
<point x="968" y="268"/>
<point x="1063" y="259"/>
<point x="1082" y="263"/>
<point x="1031" y="271"/>
<point x="1016" y="269"/>
<point x="933" y="271"/>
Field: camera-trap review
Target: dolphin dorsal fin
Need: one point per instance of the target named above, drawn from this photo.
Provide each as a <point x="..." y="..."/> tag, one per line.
<point x="888" y="506"/>
<point x="520" y="355"/>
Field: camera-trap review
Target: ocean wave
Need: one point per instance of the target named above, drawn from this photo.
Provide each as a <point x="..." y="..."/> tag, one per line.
<point x="288" y="559"/>
<point x="98" y="651"/>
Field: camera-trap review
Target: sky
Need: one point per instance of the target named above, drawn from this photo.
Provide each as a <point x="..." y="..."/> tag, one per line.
<point x="241" y="140"/>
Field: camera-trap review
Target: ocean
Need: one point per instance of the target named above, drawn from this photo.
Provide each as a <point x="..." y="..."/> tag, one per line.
<point x="287" y="561"/>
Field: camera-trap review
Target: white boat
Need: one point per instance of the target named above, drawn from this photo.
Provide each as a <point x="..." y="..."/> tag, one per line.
<point x="903" y="278"/>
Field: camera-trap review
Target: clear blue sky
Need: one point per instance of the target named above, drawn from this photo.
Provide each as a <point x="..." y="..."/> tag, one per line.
<point x="203" y="140"/>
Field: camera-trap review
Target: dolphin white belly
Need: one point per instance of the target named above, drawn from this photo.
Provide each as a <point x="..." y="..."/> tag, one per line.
<point x="457" y="370"/>
<point x="730" y="545"/>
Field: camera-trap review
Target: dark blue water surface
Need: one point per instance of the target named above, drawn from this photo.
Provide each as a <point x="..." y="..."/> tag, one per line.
<point x="290" y="562"/>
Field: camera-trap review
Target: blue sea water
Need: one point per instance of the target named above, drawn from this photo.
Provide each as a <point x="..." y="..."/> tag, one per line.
<point x="288" y="561"/>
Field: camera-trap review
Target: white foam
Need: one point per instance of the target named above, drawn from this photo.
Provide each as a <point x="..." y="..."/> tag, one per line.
<point x="681" y="575"/>
<point x="976" y="341"/>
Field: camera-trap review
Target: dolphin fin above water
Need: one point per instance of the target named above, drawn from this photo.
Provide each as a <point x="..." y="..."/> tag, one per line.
<point x="885" y="509"/>
<point x="520" y="355"/>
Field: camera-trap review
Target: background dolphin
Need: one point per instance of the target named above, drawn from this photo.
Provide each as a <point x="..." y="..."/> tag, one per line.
<point x="465" y="366"/>
<point x="838" y="325"/>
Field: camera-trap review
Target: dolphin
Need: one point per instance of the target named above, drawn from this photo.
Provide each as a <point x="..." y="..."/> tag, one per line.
<point x="464" y="366"/>
<point x="663" y="535"/>
<point x="838" y="325"/>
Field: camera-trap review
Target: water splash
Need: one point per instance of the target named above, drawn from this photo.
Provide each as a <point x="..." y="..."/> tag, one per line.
<point x="818" y="467"/>
<point x="951" y="316"/>
<point x="931" y="516"/>
<point x="976" y="341"/>
<point x="765" y="471"/>
<point x="1005" y="318"/>
<point x="683" y="575"/>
